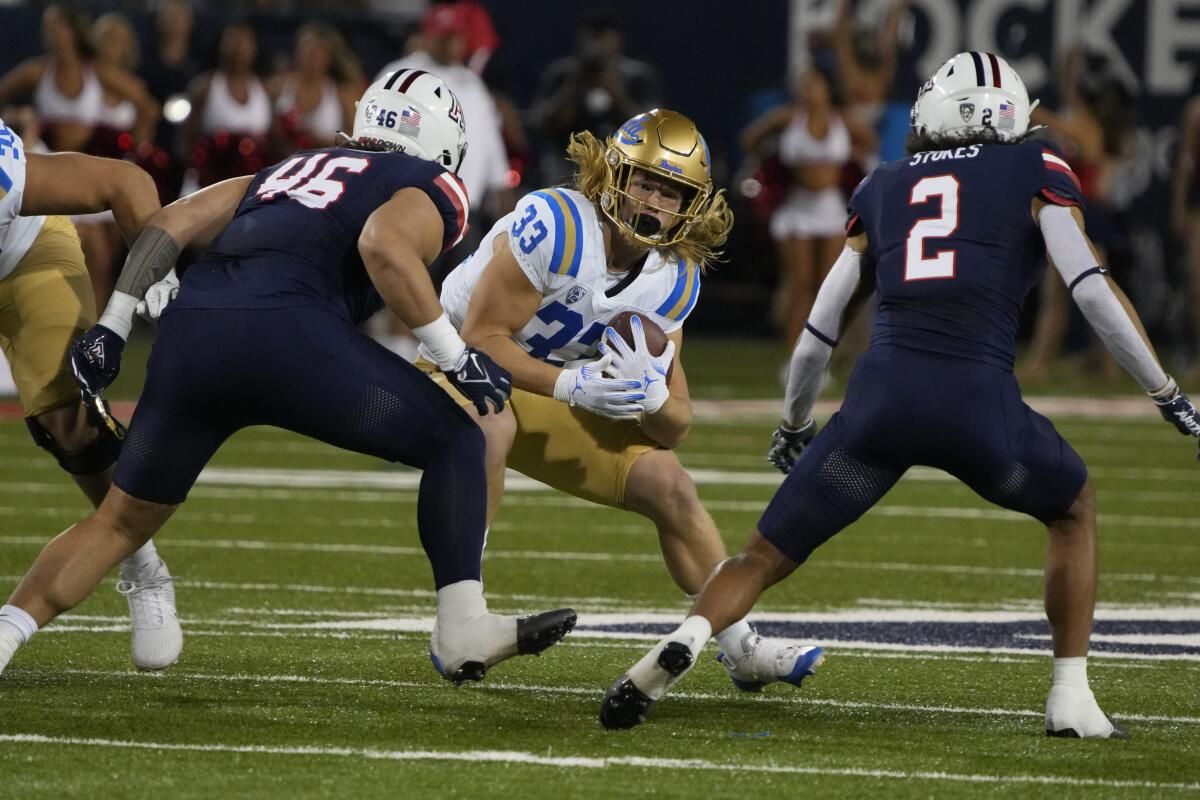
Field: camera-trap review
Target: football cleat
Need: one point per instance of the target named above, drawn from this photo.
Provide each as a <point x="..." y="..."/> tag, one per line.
<point x="625" y="705"/>
<point x="9" y="642"/>
<point x="157" y="637"/>
<point x="469" y="650"/>
<point x="1073" y="713"/>
<point x="763" y="660"/>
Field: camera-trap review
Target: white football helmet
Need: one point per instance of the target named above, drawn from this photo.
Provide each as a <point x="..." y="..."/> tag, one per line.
<point x="415" y="112"/>
<point x="973" y="92"/>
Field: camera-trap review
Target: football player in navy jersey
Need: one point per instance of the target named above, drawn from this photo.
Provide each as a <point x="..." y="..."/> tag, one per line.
<point x="263" y="333"/>
<point x="952" y="238"/>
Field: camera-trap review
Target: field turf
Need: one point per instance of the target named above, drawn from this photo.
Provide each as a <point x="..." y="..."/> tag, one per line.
<point x="306" y="603"/>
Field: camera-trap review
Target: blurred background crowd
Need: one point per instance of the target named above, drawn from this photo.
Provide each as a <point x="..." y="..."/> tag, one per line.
<point x="798" y="99"/>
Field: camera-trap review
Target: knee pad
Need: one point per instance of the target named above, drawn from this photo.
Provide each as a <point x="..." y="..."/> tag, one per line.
<point x="98" y="456"/>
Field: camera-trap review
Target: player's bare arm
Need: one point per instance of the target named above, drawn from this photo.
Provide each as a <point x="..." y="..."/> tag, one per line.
<point x="72" y="183"/>
<point x="399" y="241"/>
<point x="194" y="220"/>
<point x="502" y="304"/>
<point x="401" y="238"/>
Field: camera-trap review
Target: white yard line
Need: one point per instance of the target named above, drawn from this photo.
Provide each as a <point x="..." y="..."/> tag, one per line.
<point x="788" y="698"/>
<point x="591" y="762"/>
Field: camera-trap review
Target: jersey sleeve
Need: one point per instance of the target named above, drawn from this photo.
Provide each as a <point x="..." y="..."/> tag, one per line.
<point x="856" y="206"/>
<point x="12" y="170"/>
<point x="449" y="194"/>
<point x="546" y="238"/>
<point x="1054" y="180"/>
<point x="674" y="310"/>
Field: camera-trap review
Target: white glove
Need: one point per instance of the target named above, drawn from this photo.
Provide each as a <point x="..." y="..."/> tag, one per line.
<point x="158" y="296"/>
<point x="637" y="364"/>
<point x="587" y="386"/>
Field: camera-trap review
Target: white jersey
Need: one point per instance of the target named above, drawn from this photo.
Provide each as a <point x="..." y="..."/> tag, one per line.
<point x="16" y="232"/>
<point x="556" y="237"/>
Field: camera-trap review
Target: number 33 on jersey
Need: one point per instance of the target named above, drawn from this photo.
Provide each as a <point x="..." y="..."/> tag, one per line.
<point x="556" y="237"/>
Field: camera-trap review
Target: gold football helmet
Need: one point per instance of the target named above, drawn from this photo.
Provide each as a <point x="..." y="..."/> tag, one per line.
<point x="667" y="145"/>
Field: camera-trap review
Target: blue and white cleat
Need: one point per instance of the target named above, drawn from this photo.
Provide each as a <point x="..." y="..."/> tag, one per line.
<point x="764" y="660"/>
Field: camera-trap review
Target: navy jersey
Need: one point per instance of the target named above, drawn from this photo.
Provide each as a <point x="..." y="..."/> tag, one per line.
<point x="294" y="238"/>
<point x="954" y="246"/>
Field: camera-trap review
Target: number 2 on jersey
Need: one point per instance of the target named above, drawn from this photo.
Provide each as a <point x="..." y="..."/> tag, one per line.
<point x="918" y="267"/>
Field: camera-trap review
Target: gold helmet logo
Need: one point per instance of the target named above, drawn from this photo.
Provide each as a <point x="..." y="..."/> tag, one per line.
<point x="666" y="145"/>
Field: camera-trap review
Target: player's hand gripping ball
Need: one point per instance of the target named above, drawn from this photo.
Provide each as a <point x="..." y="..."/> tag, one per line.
<point x="640" y="351"/>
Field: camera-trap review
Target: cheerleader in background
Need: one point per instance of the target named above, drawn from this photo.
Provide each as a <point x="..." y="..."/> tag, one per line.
<point x="316" y="97"/>
<point x="225" y="135"/>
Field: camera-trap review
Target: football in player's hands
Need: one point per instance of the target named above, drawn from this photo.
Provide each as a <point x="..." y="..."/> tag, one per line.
<point x="656" y="338"/>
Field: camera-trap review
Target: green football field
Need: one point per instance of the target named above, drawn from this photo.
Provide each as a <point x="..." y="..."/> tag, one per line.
<point x="306" y="604"/>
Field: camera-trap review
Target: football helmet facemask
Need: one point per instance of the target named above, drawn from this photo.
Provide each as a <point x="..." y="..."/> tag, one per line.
<point x="667" y="146"/>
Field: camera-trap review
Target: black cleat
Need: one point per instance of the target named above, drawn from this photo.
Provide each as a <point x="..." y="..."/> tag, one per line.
<point x="538" y="631"/>
<point x="1071" y="733"/>
<point x="469" y="671"/>
<point x="625" y="705"/>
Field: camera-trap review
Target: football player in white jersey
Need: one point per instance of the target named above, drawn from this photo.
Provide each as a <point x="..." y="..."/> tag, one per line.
<point x="46" y="302"/>
<point x="634" y="233"/>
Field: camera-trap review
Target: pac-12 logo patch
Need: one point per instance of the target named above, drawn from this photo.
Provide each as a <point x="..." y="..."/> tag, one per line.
<point x="966" y="111"/>
<point x="575" y="295"/>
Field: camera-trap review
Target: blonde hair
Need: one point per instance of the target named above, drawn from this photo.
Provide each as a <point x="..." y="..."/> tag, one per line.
<point x="704" y="239"/>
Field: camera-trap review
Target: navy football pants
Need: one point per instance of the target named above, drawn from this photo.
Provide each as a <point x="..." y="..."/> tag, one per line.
<point x="905" y="408"/>
<point x="213" y="372"/>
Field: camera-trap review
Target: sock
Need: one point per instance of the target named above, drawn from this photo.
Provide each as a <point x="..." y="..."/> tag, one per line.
<point x="697" y="629"/>
<point x="461" y="601"/>
<point x="145" y="556"/>
<point x="1071" y="672"/>
<point x="652" y="679"/>
<point x="18" y="621"/>
<point x="730" y="640"/>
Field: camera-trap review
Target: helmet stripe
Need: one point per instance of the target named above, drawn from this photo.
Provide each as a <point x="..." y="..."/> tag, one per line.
<point x="395" y="76"/>
<point x="409" y="78"/>
<point x="995" y="70"/>
<point x="979" y="79"/>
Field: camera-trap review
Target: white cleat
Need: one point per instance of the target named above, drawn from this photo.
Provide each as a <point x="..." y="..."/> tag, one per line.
<point x="157" y="637"/>
<point x="465" y="651"/>
<point x="9" y="642"/>
<point x="764" y="660"/>
<point x="1073" y="713"/>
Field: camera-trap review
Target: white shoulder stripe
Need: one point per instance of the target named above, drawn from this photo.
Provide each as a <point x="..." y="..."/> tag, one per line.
<point x="455" y="187"/>
<point x="1053" y="159"/>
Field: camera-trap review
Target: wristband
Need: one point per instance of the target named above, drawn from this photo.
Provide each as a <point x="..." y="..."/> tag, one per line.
<point x="118" y="314"/>
<point x="442" y="341"/>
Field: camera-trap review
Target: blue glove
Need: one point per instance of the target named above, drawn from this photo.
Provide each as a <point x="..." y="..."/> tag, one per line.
<point x="787" y="443"/>
<point x="1178" y="410"/>
<point x="482" y="380"/>
<point x="96" y="359"/>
